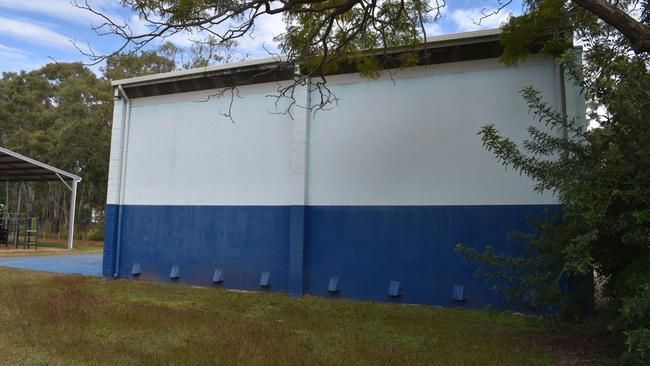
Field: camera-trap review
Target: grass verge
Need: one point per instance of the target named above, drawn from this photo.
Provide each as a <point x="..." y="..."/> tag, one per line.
<point x="50" y="319"/>
<point x="51" y="248"/>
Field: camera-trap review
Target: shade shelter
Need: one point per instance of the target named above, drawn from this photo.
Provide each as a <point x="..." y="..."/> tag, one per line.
<point x="15" y="167"/>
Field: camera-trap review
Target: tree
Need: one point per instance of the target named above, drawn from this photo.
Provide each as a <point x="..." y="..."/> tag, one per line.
<point x="123" y="65"/>
<point x="329" y="29"/>
<point x="167" y="57"/>
<point x="60" y="114"/>
<point x="635" y="31"/>
<point x="208" y="52"/>
<point x="600" y="175"/>
<point x="320" y="35"/>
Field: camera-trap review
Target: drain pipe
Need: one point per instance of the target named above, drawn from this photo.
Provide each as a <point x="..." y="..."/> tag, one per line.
<point x="126" y="118"/>
<point x="561" y="91"/>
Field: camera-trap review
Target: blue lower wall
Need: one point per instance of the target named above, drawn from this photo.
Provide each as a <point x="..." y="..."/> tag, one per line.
<point x="242" y="240"/>
<point x="110" y="240"/>
<point x="366" y="247"/>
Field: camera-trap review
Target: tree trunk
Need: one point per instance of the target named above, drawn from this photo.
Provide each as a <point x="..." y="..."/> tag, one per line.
<point x="637" y="33"/>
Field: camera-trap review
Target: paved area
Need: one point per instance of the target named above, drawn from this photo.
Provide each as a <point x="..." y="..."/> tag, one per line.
<point x="81" y="264"/>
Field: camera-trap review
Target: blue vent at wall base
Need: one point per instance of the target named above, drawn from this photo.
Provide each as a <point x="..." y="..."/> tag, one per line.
<point x="458" y="293"/>
<point x="393" y="289"/>
<point x="333" y="285"/>
<point x="217" y="277"/>
<point x="175" y="273"/>
<point x="265" y="280"/>
<point x="366" y="247"/>
<point x="529" y="297"/>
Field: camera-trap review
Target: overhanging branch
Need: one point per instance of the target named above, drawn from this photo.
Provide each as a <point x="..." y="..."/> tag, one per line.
<point x="637" y="33"/>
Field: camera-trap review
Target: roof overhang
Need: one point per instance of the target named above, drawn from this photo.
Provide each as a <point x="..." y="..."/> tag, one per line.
<point x="19" y="168"/>
<point x="438" y="49"/>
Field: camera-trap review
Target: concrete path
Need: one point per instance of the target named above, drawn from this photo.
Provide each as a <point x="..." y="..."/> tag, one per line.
<point x="81" y="264"/>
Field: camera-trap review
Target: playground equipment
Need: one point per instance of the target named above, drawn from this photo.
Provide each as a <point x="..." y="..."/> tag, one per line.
<point x="19" y="169"/>
<point x="19" y="229"/>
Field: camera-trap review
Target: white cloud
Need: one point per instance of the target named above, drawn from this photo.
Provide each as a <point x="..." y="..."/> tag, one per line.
<point x="469" y="19"/>
<point x="12" y="52"/>
<point x="185" y="39"/>
<point x="433" y="29"/>
<point x="62" y="9"/>
<point x="56" y="8"/>
<point x="15" y="59"/>
<point x="266" y="28"/>
<point x="180" y="39"/>
<point x="29" y="32"/>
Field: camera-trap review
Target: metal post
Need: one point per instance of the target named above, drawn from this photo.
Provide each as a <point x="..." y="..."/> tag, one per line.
<point x="126" y="118"/>
<point x="73" y="201"/>
<point x="16" y="221"/>
<point x="7" y="205"/>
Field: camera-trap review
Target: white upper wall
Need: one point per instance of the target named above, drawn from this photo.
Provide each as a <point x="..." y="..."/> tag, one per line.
<point x="412" y="139"/>
<point x="115" y="158"/>
<point x="182" y="151"/>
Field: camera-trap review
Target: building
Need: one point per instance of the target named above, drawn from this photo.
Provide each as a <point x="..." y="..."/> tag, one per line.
<point x="366" y="200"/>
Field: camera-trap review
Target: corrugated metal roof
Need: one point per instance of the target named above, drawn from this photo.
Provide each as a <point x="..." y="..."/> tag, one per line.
<point x="16" y="167"/>
<point x="463" y="36"/>
<point x="183" y="74"/>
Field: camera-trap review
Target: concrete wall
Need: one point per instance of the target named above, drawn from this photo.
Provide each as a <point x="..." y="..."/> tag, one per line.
<point x="378" y="189"/>
<point x="413" y="140"/>
<point x="182" y="151"/>
<point x="201" y="191"/>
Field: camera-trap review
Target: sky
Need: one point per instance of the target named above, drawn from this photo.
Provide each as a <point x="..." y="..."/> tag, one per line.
<point x="36" y="32"/>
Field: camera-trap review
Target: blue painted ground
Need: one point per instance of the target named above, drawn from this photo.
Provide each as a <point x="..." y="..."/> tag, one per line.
<point x="81" y="264"/>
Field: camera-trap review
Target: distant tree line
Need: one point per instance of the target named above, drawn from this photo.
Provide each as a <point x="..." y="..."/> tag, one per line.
<point x="61" y="114"/>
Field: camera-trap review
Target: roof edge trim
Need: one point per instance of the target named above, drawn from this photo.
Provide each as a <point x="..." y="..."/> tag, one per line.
<point x="40" y="164"/>
<point x="440" y="40"/>
<point x="189" y="73"/>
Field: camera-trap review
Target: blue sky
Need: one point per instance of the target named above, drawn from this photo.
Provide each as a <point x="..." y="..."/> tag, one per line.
<point x="33" y="32"/>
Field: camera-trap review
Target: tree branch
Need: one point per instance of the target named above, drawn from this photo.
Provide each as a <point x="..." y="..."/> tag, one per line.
<point x="637" y="33"/>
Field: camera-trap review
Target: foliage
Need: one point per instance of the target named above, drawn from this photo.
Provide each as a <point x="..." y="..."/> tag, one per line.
<point x="167" y="57"/>
<point x="207" y="52"/>
<point x="634" y="322"/>
<point x="96" y="233"/>
<point x="548" y="24"/>
<point x="319" y="33"/>
<point x="529" y="278"/>
<point x="59" y="114"/>
<point x="323" y="33"/>
<point x="123" y="66"/>
<point x="601" y="176"/>
<point x="556" y="253"/>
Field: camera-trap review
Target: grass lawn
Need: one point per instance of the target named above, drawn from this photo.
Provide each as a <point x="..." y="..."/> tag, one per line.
<point x="52" y="248"/>
<point x="79" y="246"/>
<point x="49" y="319"/>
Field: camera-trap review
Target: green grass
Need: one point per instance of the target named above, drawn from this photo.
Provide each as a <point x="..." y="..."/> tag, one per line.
<point x="49" y="319"/>
<point x="79" y="248"/>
